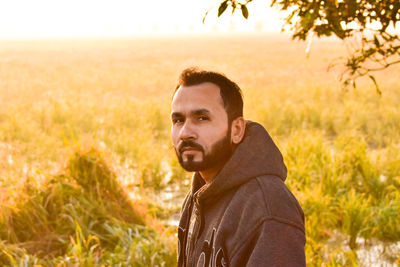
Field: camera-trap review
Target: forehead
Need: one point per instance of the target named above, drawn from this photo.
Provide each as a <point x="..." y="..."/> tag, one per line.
<point x="201" y="96"/>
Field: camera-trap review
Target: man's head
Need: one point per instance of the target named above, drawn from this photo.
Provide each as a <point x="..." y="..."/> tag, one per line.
<point x="229" y="91"/>
<point x="207" y="119"/>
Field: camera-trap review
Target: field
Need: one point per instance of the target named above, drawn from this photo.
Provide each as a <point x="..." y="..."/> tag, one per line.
<point x="88" y="176"/>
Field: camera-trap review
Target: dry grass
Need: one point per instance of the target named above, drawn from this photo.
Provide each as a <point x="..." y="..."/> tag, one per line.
<point x="341" y="147"/>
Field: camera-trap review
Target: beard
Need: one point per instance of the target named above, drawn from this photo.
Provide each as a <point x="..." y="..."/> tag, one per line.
<point x="220" y="153"/>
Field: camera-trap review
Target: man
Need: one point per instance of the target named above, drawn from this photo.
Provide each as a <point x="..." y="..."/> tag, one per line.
<point x="239" y="211"/>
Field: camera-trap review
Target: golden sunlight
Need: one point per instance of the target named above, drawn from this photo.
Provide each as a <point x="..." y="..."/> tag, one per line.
<point x="25" y="19"/>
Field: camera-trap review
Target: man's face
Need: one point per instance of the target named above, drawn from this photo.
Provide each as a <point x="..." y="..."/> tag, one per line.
<point x="200" y="131"/>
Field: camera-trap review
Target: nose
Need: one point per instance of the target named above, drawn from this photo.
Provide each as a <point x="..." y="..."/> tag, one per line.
<point x="187" y="132"/>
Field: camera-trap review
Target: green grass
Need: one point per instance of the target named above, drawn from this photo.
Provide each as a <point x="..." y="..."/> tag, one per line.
<point x="85" y="151"/>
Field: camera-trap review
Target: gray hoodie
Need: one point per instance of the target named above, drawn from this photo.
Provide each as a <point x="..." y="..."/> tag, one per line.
<point x="246" y="216"/>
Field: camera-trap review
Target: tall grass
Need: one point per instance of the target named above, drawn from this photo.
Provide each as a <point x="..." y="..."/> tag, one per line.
<point x="82" y="216"/>
<point x="65" y="201"/>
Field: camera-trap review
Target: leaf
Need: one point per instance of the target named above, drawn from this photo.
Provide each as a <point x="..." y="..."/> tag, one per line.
<point x="245" y="11"/>
<point x="376" y="41"/>
<point x="354" y="84"/>
<point x="376" y="84"/>
<point x="205" y="15"/>
<point x="222" y="7"/>
<point x="233" y="6"/>
<point x="352" y="8"/>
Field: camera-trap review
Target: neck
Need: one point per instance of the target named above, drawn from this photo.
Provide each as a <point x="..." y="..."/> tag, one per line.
<point x="209" y="174"/>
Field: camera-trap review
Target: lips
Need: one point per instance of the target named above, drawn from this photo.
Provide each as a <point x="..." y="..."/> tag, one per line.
<point x="189" y="148"/>
<point x="189" y="145"/>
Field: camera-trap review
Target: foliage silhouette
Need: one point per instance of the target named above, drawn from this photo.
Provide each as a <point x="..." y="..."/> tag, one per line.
<point x="368" y="25"/>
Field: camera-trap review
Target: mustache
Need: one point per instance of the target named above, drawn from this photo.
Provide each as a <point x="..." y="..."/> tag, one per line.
<point x="189" y="143"/>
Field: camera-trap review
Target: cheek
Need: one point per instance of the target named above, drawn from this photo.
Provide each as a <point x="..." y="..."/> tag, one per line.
<point x="213" y="139"/>
<point x="174" y="137"/>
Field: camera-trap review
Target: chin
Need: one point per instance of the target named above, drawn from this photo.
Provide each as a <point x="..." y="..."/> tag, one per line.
<point x="193" y="166"/>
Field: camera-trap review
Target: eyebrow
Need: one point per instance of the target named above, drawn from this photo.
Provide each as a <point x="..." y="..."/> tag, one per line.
<point x="202" y="111"/>
<point x="176" y="115"/>
<point x="196" y="112"/>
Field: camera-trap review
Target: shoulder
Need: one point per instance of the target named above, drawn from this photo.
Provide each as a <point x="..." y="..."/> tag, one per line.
<point x="261" y="204"/>
<point x="280" y="203"/>
<point x="268" y="198"/>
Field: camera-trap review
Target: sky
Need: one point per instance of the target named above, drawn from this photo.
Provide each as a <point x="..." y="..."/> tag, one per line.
<point x="37" y="19"/>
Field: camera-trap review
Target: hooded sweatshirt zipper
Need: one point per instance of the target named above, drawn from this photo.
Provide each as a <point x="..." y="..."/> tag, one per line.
<point x="196" y="212"/>
<point x="185" y="237"/>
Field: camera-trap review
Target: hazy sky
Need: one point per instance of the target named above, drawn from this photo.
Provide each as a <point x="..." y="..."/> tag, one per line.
<point x="35" y="19"/>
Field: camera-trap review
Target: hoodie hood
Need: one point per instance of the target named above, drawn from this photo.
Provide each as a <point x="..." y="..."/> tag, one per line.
<point x="256" y="155"/>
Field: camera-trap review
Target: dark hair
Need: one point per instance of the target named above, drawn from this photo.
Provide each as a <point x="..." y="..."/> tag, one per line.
<point x="230" y="92"/>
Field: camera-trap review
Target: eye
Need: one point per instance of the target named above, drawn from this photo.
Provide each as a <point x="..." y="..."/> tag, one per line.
<point x="177" y="120"/>
<point x="203" y="118"/>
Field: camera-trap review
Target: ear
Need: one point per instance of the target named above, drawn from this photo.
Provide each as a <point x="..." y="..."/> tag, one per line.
<point x="237" y="130"/>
